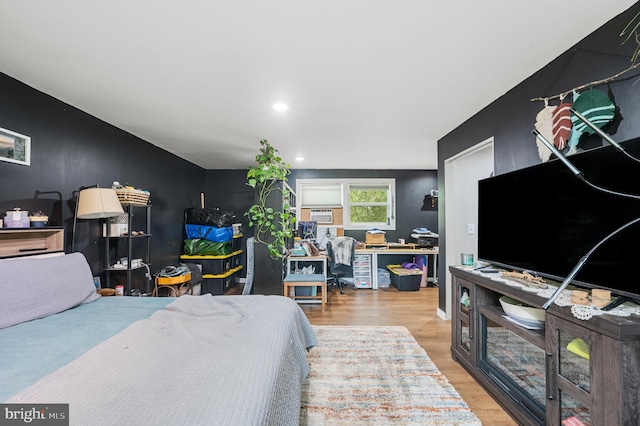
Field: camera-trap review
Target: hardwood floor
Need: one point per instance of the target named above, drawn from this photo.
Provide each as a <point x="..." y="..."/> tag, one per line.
<point x="417" y="312"/>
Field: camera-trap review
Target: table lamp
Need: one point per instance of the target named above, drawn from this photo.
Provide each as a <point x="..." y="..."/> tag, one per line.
<point x="95" y="203"/>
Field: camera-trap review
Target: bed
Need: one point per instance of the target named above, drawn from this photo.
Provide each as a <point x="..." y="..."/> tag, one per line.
<point x="231" y="360"/>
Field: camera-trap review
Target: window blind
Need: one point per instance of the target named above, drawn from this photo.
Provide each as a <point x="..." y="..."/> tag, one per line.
<point x="321" y="195"/>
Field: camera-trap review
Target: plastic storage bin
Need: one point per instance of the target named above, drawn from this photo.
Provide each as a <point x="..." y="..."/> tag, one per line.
<point x="362" y="271"/>
<point x="405" y="279"/>
<point x="210" y="265"/>
<point x="236" y="242"/>
<point x="384" y="278"/>
<point x="214" y="265"/>
<point x="221" y="283"/>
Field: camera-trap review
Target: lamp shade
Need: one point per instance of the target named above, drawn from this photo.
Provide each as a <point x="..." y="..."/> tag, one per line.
<point x="97" y="203"/>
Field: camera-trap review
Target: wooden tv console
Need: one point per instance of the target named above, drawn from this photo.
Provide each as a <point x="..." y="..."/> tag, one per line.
<point x="532" y="373"/>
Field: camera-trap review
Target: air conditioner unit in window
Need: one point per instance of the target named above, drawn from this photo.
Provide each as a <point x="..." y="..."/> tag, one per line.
<point x="321" y="216"/>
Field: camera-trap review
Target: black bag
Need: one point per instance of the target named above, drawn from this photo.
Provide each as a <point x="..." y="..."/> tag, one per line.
<point x="208" y="216"/>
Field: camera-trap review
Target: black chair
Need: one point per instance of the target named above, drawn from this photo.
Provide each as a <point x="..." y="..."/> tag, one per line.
<point x="341" y="254"/>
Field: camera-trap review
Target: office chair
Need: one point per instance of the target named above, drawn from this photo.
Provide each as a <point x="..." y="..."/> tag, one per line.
<point x="341" y="254"/>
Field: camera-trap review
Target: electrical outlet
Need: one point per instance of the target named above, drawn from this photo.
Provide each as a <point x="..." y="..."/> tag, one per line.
<point x="471" y="229"/>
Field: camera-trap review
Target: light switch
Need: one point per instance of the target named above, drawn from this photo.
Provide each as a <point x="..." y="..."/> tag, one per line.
<point x="471" y="229"/>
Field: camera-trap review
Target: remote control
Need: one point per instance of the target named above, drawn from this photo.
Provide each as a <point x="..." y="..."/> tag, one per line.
<point x="489" y="271"/>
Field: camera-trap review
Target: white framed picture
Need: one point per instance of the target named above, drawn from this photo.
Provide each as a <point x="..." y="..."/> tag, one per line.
<point x="14" y="147"/>
<point x="96" y="282"/>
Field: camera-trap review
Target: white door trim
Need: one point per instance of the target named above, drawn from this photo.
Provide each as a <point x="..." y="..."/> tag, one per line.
<point x="457" y="208"/>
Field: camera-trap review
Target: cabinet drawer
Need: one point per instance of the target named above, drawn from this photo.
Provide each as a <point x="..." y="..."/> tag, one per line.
<point x="23" y="242"/>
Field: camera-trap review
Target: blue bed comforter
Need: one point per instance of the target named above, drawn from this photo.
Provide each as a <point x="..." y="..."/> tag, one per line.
<point x="233" y="360"/>
<point x="33" y="349"/>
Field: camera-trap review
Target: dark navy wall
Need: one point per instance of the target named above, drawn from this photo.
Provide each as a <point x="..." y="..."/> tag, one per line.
<point x="511" y="118"/>
<point x="71" y="149"/>
<point x="411" y="188"/>
<point x="227" y="190"/>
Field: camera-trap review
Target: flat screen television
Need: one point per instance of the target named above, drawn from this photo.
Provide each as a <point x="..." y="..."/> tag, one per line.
<point x="543" y="219"/>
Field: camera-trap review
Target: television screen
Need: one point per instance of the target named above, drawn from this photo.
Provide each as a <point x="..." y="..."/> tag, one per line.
<point x="544" y="219"/>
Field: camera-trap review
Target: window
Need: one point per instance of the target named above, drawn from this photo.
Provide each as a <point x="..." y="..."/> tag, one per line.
<point x="369" y="205"/>
<point x="366" y="203"/>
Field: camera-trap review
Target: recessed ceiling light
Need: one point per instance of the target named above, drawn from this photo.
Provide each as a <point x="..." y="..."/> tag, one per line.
<point x="299" y="158"/>
<point x="280" y="106"/>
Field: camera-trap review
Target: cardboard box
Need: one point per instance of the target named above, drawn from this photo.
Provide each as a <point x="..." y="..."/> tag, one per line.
<point x="374" y="238"/>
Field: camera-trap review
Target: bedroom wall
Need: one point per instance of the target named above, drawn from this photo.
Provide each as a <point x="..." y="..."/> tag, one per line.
<point x="71" y="148"/>
<point x="227" y="190"/>
<point x="411" y="188"/>
<point x="511" y="118"/>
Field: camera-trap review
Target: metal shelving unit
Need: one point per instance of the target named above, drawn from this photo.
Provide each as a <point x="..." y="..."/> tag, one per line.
<point x="130" y="246"/>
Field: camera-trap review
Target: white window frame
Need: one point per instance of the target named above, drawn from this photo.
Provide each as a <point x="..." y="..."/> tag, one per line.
<point x="345" y="184"/>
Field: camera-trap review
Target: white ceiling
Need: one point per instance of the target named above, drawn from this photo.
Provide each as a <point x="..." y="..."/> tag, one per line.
<point x="371" y="84"/>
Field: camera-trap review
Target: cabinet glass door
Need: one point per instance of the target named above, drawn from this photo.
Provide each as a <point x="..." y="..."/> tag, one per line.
<point x="573" y="412"/>
<point x="464" y="307"/>
<point x="516" y="364"/>
<point x="465" y="337"/>
<point x="573" y="365"/>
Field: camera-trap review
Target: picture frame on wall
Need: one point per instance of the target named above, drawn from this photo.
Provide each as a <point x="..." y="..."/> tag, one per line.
<point x="15" y="147"/>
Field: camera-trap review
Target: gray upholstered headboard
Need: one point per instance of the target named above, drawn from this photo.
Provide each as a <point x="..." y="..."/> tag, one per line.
<point x="33" y="287"/>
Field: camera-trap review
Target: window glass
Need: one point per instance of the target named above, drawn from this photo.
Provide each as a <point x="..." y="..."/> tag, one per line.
<point x="369" y="204"/>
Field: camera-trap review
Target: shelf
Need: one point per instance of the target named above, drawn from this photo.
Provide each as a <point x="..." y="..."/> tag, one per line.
<point x="496" y="315"/>
<point x="127" y="269"/>
<point x="129" y="246"/>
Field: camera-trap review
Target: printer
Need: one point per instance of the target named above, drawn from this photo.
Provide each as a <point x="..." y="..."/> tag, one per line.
<point x="424" y="237"/>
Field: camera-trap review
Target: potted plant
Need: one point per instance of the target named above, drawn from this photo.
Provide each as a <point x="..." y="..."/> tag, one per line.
<point x="273" y="221"/>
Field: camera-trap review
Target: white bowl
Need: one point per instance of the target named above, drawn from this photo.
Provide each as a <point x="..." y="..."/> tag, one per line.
<point x="521" y="312"/>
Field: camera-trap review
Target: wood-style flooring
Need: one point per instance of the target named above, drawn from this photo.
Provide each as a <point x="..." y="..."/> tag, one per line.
<point x="415" y="310"/>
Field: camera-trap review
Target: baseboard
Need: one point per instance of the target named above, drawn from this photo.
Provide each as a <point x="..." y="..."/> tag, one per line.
<point x="442" y="314"/>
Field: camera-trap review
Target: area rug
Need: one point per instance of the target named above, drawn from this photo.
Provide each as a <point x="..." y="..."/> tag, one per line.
<point x="377" y="375"/>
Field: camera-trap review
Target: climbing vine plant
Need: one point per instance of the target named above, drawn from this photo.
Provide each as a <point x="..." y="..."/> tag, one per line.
<point x="272" y="227"/>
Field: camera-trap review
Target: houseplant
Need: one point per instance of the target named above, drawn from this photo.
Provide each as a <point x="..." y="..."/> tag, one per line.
<point x="273" y="226"/>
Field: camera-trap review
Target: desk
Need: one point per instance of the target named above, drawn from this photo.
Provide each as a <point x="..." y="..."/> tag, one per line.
<point x="321" y="259"/>
<point x="392" y="251"/>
